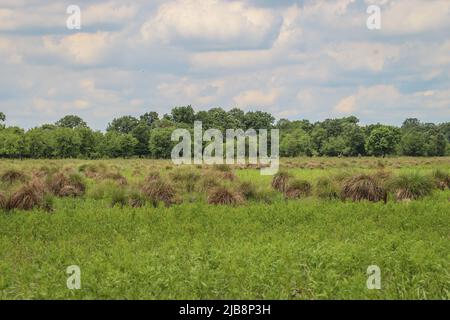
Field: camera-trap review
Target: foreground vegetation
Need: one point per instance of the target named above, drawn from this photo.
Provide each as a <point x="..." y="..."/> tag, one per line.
<point x="146" y="229"/>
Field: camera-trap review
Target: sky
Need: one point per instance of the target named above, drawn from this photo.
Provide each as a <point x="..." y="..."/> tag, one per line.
<point x="304" y="59"/>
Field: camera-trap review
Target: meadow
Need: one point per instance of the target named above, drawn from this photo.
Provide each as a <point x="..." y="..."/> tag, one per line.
<point x="145" y="229"/>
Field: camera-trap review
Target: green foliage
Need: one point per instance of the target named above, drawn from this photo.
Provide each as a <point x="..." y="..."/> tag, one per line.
<point x="71" y="122"/>
<point x="382" y="141"/>
<point x="411" y="186"/>
<point x="123" y="125"/>
<point x="149" y="136"/>
<point x="160" y="143"/>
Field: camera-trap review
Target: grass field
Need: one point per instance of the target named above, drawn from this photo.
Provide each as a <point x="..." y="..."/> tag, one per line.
<point x="263" y="245"/>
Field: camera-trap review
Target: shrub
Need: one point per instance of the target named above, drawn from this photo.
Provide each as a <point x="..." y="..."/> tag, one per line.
<point x="225" y="196"/>
<point x="3" y="200"/>
<point x="297" y="189"/>
<point x="159" y="191"/>
<point x="280" y="181"/>
<point x="136" y="199"/>
<point x="411" y="186"/>
<point x="119" y="197"/>
<point x="188" y="178"/>
<point x="248" y="190"/>
<point x="327" y="188"/>
<point x="67" y="186"/>
<point x="48" y="203"/>
<point x="10" y="177"/>
<point x="26" y="198"/>
<point x="363" y="187"/>
<point x="442" y="179"/>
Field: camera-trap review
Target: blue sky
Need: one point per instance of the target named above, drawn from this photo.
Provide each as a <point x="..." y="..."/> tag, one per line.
<point x="312" y="59"/>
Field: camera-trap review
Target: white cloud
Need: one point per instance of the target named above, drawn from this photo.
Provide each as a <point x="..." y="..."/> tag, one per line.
<point x="366" y="55"/>
<point x="256" y="98"/>
<point x="212" y="24"/>
<point x="346" y="105"/>
<point x="82" y="48"/>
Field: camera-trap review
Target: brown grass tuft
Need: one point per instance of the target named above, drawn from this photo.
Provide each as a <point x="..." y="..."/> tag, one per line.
<point x="224" y="196"/>
<point x="159" y="191"/>
<point x="26" y="198"/>
<point x="298" y="189"/>
<point x="363" y="187"/>
<point x="66" y="186"/>
<point x="280" y="181"/>
<point x="12" y="176"/>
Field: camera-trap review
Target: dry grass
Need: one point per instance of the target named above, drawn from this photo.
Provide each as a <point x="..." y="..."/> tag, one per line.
<point x="62" y="185"/>
<point x="280" y="181"/>
<point x="12" y="176"/>
<point x="159" y="191"/>
<point x="363" y="187"/>
<point x="27" y="197"/>
<point x="298" y="189"/>
<point x="225" y="196"/>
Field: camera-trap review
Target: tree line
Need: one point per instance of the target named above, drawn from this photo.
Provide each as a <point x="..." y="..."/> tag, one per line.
<point x="150" y="136"/>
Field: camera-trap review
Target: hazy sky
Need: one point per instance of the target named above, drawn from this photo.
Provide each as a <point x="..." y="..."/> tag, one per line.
<point x="312" y="59"/>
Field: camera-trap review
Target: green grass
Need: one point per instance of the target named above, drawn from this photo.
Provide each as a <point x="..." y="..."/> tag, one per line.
<point x="299" y="249"/>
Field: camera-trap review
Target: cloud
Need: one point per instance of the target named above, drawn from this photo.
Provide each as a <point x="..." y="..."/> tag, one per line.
<point x="82" y="48"/>
<point x="346" y="105"/>
<point x="310" y="59"/>
<point x="366" y="55"/>
<point x="212" y="24"/>
<point x="256" y="98"/>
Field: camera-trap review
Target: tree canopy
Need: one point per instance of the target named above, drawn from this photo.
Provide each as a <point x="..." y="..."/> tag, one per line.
<point x="149" y="135"/>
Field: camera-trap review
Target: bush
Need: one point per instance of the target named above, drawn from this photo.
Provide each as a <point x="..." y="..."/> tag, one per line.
<point x="136" y="199"/>
<point x="327" y="189"/>
<point x="159" y="191"/>
<point x="411" y="186"/>
<point x="298" y="189"/>
<point x="442" y="179"/>
<point x="363" y="187"/>
<point x="225" y="196"/>
<point x="3" y="201"/>
<point x="48" y="203"/>
<point x="280" y="181"/>
<point x="26" y="198"/>
<point x="248" y="190"/>
<point x="67" y="186"/>
<point x="12" y="176"/>
<point x="119" y="197"/>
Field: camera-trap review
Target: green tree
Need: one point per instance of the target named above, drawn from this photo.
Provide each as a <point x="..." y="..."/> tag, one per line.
<point x="71" y="122"/>
<point x="258" y="120"/>
<point x="2" y="119"/>
<point x="40" y="143"/>
<point x="296" y="143"/>
<point x="118" y="144"/>
<point x="142" y="134"/>
<point x="334" y="146"/>
<point x="12" y="142"/>
<point x="149" y="118"/>
<point x="413" y="143"/>
<point x="383" y="141"/>
<point x="160" y="143"/>
<point x="67" y="143"/>
<point x="183" y="115"/>
<point x="124" y="124"/>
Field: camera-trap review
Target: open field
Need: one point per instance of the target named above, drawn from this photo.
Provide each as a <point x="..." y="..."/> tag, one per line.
<point x="144" y="229"/>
